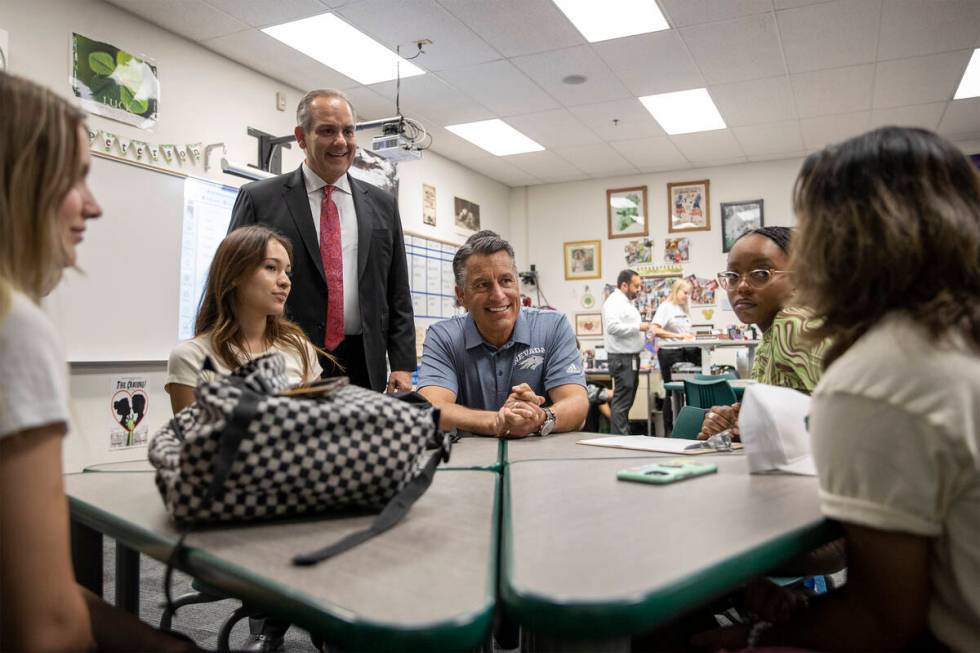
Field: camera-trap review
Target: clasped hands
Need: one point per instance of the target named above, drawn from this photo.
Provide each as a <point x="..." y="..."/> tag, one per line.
<point x="718" y="419"/>
<point x="521" y="414"/>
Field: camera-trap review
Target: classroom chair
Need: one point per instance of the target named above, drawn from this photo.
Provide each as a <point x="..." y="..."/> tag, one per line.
<point x="687" y="424"/>
<point x="203" y="593"/>
<point x="705" y="393"/>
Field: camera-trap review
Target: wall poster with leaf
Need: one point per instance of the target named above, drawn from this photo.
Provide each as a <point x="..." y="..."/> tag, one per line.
<point x="114" y="83"/>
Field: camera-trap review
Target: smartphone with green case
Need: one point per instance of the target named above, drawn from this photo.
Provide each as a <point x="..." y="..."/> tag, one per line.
<point x="664" y="472"/>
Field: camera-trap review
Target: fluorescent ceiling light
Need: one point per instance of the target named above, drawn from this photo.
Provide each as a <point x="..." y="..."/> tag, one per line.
<point x="496" y="137"/>
<point x="684" y="112"/>
<point x="970" y="84"/>
<point x="336" y="44"/>
<point x="612" y="19"/>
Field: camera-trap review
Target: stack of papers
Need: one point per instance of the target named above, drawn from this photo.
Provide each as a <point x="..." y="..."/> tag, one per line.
<point x="645" y="443"/>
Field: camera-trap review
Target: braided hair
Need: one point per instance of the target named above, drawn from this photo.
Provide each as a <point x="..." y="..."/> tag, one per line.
<point x="779" y="235"/>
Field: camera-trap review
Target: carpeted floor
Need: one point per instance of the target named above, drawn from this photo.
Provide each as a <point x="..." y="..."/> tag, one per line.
<point x="199" y="622"/>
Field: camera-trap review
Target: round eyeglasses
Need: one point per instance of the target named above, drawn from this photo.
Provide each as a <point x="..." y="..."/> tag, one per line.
<point x="755" y="278"/>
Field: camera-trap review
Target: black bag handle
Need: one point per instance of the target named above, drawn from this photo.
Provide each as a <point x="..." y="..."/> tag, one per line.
<point x="393" y="512"/>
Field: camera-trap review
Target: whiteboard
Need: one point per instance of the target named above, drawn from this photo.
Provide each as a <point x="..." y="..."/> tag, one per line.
<point x="123" y="303"/>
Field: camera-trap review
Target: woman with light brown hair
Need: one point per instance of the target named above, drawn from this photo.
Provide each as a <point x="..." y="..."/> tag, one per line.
<point x="45" y="204"/>
<point x="888" y="256"/>
<point x="241" y="315"/>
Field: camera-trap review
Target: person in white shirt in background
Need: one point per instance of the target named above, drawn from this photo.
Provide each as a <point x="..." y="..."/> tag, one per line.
<point x="624" y="336"/>
<point x="673" y="322"/>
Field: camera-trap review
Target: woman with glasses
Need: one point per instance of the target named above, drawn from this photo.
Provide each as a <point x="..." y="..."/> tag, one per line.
<point x="761" y="292"/>
<point x="890" y="221"/>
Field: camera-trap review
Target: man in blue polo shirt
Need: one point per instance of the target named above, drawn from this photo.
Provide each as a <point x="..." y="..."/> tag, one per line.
<point x="501" y="370"/>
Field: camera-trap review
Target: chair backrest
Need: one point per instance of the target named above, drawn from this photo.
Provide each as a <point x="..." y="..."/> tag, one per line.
<point x="723" y="375"/>
<point x="688" y="423"/>
<point x="705" y="393"/>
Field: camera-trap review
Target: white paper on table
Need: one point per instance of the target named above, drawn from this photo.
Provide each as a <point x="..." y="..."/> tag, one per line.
<point x="646" y="443"/>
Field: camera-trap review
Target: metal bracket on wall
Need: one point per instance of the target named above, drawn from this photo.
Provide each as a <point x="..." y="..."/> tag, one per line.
<point x="270" y="153"/>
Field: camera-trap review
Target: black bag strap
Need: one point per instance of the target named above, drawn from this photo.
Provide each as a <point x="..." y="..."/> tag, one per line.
<point x="231" y="439"/>
<point x="393" y="513"/>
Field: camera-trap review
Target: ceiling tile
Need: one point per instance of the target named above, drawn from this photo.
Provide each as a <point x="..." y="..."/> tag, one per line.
<point x="778" y="157"/>
<point x="370" y="105"/>
<point x="754" y="102"/>
<point x="549" y="68"/>
<point x="919" y="80"/>
<point x="265" y="54"/>
<point x="693" y="12"/>
<point x="732" y="51"/>
<point x="651" y="63"/>
<point x="632" y="120"/>
<point x="962" y="118"/>
<point x="501" y="87"/>
<point x="262" y="13"/>
<point x="925" y="116"/>
<point x="829" y="35"/>
<point x="555" y="128"/>
<point x="429" y="95"/>
<point x="835" y="90"/>
<point x="402" y="22"/>
<point x="599" y="160"/>
<point x="452" y="146"/>
<point x="517" y="27"/>
<point x="546" y="166"/>
<point x="192" y="19"/>
<point x="823" y="130"/>
<point x="649" y="154"/>
<point x="501" y="170"/>
<point x="910" y="28"/>
<point x="708" y="146"/>
<point x="774" y="138"/>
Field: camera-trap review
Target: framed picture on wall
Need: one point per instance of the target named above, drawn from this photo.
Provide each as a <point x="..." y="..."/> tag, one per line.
<point x="738" y="218"/>
<point x="626" y="212"/>
<point x="688" y="206"/>
<point x="583" y="259"/>
<point x="588" y="324"/>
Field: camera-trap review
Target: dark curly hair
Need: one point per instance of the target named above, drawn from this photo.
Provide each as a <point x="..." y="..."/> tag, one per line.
<point x="889" y="221"/>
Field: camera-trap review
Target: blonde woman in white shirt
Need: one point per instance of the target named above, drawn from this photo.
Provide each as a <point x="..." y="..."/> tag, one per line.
<point x="45" y="205"/>
<point x="672" y="322"/>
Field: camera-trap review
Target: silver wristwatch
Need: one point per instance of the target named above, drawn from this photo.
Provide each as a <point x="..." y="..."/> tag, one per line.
<point x="549" y="423"/>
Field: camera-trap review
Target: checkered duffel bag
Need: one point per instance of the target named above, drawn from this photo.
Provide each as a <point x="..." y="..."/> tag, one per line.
<point x="253" y="448"/>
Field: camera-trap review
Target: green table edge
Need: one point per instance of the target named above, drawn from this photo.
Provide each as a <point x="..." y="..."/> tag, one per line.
<point x="338" y="626"/>
<point x="620" y="618"/>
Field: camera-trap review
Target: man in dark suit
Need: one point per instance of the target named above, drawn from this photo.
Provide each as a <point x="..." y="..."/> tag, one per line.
<point x="350" y="279"/>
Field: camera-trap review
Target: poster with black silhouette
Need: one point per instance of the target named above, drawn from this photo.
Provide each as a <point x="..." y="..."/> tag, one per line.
<point x="128" y="406"/>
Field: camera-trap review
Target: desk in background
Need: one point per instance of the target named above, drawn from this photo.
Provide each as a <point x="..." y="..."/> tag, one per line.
<point x="707" y="346"/>
<point x="644" y="403"/>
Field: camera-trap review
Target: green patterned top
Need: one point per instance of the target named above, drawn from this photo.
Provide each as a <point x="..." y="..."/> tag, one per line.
<point x="783" y="358"/>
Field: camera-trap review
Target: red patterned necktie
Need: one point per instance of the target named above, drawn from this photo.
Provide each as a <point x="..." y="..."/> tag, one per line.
<point x="331" y="252"/>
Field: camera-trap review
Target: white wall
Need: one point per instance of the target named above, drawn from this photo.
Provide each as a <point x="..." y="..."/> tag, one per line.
<point x="557" y="213"/>
<point x="204" y="98"/>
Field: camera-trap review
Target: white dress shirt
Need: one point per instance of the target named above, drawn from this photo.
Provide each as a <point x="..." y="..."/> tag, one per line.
<point x="344" y="200"/>
<point x="622" y="325"/>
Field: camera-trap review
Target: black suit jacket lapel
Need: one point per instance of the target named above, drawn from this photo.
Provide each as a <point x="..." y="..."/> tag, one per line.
<point x="298" y="202"/>
<point x="364" y="222"/>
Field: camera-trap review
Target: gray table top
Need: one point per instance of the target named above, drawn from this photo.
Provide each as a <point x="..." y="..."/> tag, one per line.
<point x="428" y="583"/>
<point x="475" y="452"/>
<point x="564" y="446"/>
<point x="587" y="555"/>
